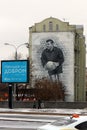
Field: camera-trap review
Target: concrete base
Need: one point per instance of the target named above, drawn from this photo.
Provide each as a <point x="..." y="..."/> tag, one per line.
<point x="50" y="104"/>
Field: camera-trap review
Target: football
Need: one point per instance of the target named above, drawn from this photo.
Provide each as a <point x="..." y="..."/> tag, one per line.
<point x="50" y="66"/>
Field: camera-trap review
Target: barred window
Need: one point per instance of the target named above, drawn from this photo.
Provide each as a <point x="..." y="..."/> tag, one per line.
<point x="57" y="27"/>
<point x="44" y="27"/>
<point x="50" y="26"/>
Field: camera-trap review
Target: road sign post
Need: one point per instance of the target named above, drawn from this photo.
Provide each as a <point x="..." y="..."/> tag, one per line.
<point x="10" y="100"/>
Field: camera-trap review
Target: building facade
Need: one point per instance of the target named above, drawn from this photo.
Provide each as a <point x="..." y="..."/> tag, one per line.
<point x="70" y="41"/>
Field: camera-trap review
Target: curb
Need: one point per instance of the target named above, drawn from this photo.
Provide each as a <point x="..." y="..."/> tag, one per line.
<point x="41" y="113"/>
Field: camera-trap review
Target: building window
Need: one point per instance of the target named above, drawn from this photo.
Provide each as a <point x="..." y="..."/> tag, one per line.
<point x="50" y="26"/>
<point x="44" y="27"/>
<point x="57" y="27"/>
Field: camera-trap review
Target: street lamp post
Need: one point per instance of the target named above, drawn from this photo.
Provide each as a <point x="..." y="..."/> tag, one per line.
<point x="16" y="48"/>
<point x="16" y="58"/>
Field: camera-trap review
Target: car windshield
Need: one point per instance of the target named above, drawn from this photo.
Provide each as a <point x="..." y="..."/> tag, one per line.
<point x="63" y="121"/>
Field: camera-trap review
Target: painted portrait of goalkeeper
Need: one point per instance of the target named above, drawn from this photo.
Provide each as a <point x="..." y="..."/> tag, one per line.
<point x="52" y="59"/>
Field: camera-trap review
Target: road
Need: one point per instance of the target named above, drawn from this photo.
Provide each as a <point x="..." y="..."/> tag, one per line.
<point x="24" y="121"/>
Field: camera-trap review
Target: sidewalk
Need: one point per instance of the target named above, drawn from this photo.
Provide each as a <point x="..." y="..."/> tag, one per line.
<point x="44" y="111"/>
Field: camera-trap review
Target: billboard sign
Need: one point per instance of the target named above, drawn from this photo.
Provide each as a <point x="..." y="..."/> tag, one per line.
<point x="14" y="71"/>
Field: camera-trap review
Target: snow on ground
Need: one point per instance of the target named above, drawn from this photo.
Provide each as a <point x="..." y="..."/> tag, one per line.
<point x="53" y="111"/>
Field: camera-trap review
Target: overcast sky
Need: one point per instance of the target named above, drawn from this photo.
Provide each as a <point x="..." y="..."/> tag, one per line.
<point x="16" y="16"/>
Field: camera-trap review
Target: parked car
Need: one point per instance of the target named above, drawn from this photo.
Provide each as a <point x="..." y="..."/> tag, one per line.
<point x="75" y="122"/>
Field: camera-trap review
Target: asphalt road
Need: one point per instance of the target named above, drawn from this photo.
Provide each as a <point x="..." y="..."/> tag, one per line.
<point x="24" y="121"/>
<point x="20" y="125"/>
<point x="16" y="129"/>
<point x="29" y="116"/>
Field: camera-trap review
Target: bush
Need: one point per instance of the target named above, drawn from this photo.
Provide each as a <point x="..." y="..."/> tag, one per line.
<point x="48" y="90"/>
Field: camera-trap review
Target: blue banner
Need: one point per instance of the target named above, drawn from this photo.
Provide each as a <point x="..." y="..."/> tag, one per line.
<point x="15" y="71"/>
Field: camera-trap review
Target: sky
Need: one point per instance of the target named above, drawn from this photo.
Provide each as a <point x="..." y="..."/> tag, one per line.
<point x="16" y="16"/>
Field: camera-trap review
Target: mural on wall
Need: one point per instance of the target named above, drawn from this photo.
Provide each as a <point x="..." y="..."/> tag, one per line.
<point x="53" y="58"/>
